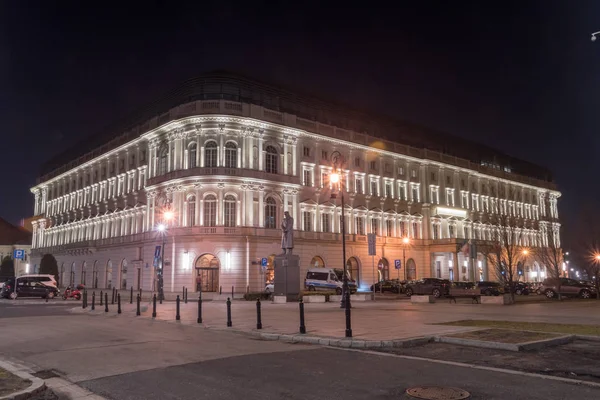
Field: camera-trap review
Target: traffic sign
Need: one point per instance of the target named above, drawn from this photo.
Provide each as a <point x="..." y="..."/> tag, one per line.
<point x="19" y="254"/>
<point x="157" y="252"/>
<point x="372" y="239"/>
<point x="397" y="264"/>
<point x="263" y="263"/>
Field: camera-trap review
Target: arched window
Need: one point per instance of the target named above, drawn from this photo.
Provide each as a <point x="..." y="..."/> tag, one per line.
<point x="230" y="155"/>
<point x="191" y="211"/>
<point x="270" y="213"/>
<point x="210" y="210"/>
<point x="411" y="270"/>
<point x="192" y="155"/>
<point x="383" y="269"/>
<point x="317" y="262"/>
<point x="163" y="159"/>
<point x="229" y="210"/>
<point x="272" y="160"/>
<point x="210" y="154"/>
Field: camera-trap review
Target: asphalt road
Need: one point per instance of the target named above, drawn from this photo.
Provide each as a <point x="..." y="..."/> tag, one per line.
<point x="34" y="308"/>
<point x="124" y="357"/>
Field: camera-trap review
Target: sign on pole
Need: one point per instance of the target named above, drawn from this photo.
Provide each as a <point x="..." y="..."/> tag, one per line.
<point x="157" y="252"/>
<point x="263" y="263"/>
<point x="372" y="239"/>
<point x="397" y="264"/>
<point x="19" y="254"/>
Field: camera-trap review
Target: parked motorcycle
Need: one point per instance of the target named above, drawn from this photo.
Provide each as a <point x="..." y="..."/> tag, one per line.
<point x="71" y="293"/>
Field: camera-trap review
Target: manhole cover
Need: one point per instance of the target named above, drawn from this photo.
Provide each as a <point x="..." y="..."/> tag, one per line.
<point x="437" y="393"/>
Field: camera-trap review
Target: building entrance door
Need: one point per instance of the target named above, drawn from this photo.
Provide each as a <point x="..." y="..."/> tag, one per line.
<point x="209" y="279"/>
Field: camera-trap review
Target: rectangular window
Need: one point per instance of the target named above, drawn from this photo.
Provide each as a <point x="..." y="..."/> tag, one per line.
<point x="359" y="186"/>
<point x="450" y="197"/>
<point x="374" y="191"/>
<point x="436" y="232"/>
<point x="326" y="223"/>
<point x="401" y="171"/>
<point x="403" y="229"/>
<point x="415" y="228"/>
<point x="357" y="161"/>
<point x="360" y="225"/>
<point x="373" y="165"/>
<point x="307" y="175"/>
<point x="375" y="226"/>
<point x="323" y="154"/>
<point x="307" y="221"/>
<point x="402" y="191"/>
<point x="413" y="173"/>
<point x="388" y="189"/>
<point x="389" y="227"/>
<point x="388" y="168"/>
<point x="415" y="193"/>
<point x="306" y="151"/>
<point x="324" y="179"/>
<point x="451" y="231"/>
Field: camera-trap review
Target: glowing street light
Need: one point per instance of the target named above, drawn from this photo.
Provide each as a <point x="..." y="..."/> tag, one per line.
<point x="525" y="252"/>
<point x="405" y="242"/>
<point x="168" y="215"/>
<point x="161" y="227"/>
<point x="597" y="257"/>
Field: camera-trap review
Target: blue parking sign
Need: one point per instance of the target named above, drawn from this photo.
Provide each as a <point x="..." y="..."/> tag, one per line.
<point x="157" y="252"/>
<point x="19" y="254"/>
<point x="397" y="264"/>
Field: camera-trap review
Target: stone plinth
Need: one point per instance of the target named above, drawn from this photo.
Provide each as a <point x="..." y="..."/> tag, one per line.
<point x="279" y="299"/>
<point x="287" y="276"/>
<point x="498" y="300"/>
<point x="313" y="299"/>
<point x="361" y="297"/>
<point x="422" y="299"/>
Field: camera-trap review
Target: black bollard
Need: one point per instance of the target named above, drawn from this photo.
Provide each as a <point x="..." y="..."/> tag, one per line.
<point x="154" y="306"/>
<point x="185" y="298"/>
<point x="183" y="291"/>
<point x="160" y="298"/>
<point x="220" y="289"/>
<point x="93" y="300"/>
<point x="258" y="315"/>
<point x="302" y="326"/>
<point x="348" y="318"/>
<point x="177" y="316"/>
<point x="131" y="296"/>
<point x="118" y="303"/>
<point x="101" y="297"/>
<point x="141" y="294"/>
<point x="114" y="296"/>
<point x="200" y="308"/>
<point x="106" y="302"/>
<point x="138" y="311"/>
<point x="229" y="312"/>
<point x="83" y="299"/>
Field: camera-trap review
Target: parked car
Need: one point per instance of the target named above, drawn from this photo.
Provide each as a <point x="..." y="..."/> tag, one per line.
<point x="568" y="288"/>
<point x="27" y="287"/>
<point x="388" y="285"/>
<point x="522" y="289"/>
<point x="433" y="286"/>
<point x="490" y="288"/>
<point x="46" y="279"/>
<point x="327" y="279"/>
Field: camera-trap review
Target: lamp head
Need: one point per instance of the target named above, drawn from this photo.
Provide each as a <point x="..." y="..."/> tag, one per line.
<point x="161" y="227"/>
<point x="405" y="240"/>
<point x="168" y="215"/>
<point x="335" y="177"/>
<point x="593" y="38"/>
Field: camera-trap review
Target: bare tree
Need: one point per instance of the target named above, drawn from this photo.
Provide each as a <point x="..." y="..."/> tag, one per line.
<point x="504" y="251"/>
<point x="550" y="255"/>
<point x="587" y="247"/>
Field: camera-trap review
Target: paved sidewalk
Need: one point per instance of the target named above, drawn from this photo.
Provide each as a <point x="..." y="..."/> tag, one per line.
<point x="370" y="320"/>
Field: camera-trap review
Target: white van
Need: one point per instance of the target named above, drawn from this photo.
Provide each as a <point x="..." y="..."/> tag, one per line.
<point x="327" y="279"/>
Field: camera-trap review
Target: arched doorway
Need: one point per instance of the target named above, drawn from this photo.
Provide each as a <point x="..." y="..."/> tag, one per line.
<point x="317" y="262"/>
<point x="353" y="268"/>
<point x="207" y="273"/>
<point x="108" y="283"/>
<point x="123" y="277"/>
<point x="383" y="269"/>
<point x="411" y="270"/>
<point x="95" y="275"/>
<point x="83" y="272"/>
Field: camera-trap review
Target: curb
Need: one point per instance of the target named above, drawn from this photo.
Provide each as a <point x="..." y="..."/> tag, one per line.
<point x="37" y="385"/>
<point x="534" y="345"/>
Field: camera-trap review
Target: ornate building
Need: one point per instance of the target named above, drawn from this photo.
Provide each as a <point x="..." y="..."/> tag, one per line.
<point x="226" y="156"/>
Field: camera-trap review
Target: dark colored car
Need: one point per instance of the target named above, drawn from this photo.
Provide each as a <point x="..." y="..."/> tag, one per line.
<point x="521" y="289"/>
<point x="27" y="287"/>
<point x="429" y="286"/>
<point x="490" y="288"/>
<point x="551" y="287"/>
<point x="388" y="285"/>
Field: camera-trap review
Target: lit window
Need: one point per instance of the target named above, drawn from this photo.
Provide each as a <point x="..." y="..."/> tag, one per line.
<point x="270" y="213"/>
<point x="230" y="155"/>
<point x="230" y="210"/>
<point x="272" y="160"/>
<point x="192" y="150"/>
<point x="210" y="154"/>
<point x="210" y="210"/>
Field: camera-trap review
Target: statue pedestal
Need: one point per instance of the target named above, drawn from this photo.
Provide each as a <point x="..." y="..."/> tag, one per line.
<point x="287" y="276"/>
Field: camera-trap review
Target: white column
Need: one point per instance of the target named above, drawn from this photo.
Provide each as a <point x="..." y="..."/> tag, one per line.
<point x="221" y="152"/>
<point x="261" y="209"/>
<point x="261" y="156"/>
<point x="243" y="149"/>
<point x="249" y="152"/>
<point x="220" y="216"/>
<point x="243" y="210"/>
<point x="294" y="159"/>
<point x="198" y="152"/>
<point x="285" y="156"/>
<point x="201" y="156"/>
<point x="197" y="219"/>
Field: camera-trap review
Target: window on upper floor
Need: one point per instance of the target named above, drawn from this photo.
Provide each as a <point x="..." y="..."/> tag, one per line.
<point x="358" y="185"/>
<point x="210" y="154"/>
<point x="373" y="165"/>
<point x="191" y="211"/>
<point x="357" y="161"/>
<point x="324" y="179"/>
<point x="326" y="223"/>
<point x="451" y="231"/>
<point x="360" y="225"/>
<point x="307" y="175"/>
<point x="433" y="176"/>
<point x="192" y="155"/>
<point x="374" y="188"/>
<point x="231" y="152"/>
<point x="434" y="194"/>
<point x="306" y="151"/>
<point x="307" y="221"/>
<point x="270" y="213"/>
<point x="416" y="197"/>
<point x="210" y="210"/>
<point x="450" y="197"/>
<point x="163" y="159"/>
<point x="448" y="180"/>
<point x="324" y="155"/>
<point x="402" y="191"/>
<point x="229" y="211"/>
<point x="375" y="226"/>
<point x="388" y="189"/>
<point x="143" y="156"/>
<point x="387" y="168"/>
<point x="413" y="173"/>
<point x="401" y="171"/>
<point x="271" y="160"/>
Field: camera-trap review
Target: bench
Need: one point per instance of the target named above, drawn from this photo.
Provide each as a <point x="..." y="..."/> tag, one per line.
<point x="473" y="294"/>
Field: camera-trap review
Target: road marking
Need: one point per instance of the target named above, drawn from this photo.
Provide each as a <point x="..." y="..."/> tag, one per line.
<point x="480" y="367"/>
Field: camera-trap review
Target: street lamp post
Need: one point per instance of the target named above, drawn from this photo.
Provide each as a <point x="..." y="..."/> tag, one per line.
<point x="345" y="303"/>
<point x="405" y="241"/>
<point x="162" y="228"/>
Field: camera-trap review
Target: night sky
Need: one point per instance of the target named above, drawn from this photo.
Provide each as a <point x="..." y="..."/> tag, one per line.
<point x="520" y="76"/>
